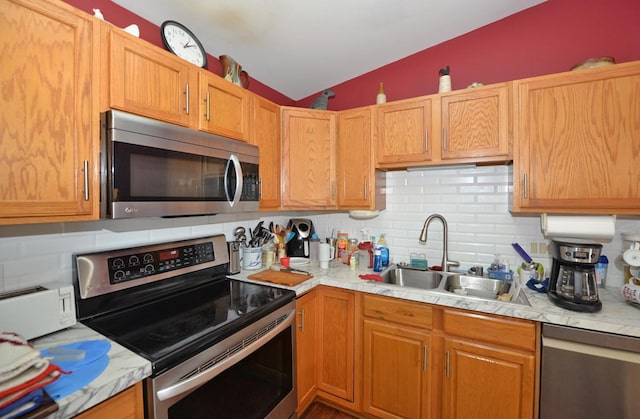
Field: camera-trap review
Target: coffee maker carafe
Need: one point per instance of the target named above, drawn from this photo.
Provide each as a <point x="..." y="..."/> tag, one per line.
<point x="573" y="276"/>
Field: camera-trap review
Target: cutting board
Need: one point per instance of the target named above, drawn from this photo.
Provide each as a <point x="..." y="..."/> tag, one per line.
<point x="280" y="278"/>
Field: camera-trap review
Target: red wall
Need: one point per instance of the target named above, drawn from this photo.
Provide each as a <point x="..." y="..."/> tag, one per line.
<point x="122" y="17"/>
<point x="548" y="38"/>
<point x="544" y="39"/>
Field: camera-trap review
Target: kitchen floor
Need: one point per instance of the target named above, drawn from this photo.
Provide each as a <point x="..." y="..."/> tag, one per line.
<point x="322" y="411"/>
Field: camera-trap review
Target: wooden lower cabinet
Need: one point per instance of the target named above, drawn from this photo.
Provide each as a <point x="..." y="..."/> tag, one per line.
<point x="128" y="404"/>
<point x="404" y="359"/>
<point x="487" y="382"/>
<point x="395" y="371"/>
<point x="490" y="365"/>
<point x="336" y="346"/>
<point x="306" y="354"/>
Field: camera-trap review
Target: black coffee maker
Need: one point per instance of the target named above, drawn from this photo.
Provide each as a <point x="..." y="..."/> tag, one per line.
<point x="301" y="232"/>
<point x="572" y="282"/>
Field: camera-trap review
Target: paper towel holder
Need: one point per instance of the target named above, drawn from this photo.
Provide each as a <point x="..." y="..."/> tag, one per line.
<point x="578" y="228"/>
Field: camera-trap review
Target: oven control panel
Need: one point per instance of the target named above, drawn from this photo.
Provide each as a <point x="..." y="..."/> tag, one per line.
<point x="134" y="266"/>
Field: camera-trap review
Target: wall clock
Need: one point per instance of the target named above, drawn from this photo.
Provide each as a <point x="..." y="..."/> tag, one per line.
<point x="183" y="43"/>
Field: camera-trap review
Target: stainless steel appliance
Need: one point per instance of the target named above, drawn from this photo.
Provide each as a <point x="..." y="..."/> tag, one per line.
<point x="588" y="375"/>
<point x="37" y="311"/>
<point x="218" y="347"/>
<point x="302" y="230"/>
<point x="572" y="282"/>
<point x="154" y="169"/>
<point x="234" y="257"/>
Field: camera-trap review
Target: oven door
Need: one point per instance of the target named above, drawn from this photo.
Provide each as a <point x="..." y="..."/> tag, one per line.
<point x="248" y="375"/>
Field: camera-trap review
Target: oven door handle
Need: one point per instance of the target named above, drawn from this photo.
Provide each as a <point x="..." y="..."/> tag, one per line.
<point x="233" y="159"/>
<point x="206" y="375"/>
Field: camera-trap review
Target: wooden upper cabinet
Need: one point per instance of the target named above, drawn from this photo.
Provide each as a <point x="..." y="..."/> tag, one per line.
<point x="475" y="124"/>
<point x="404" y="131"/>
<point x="148" y="81"/>
<point x="266" y="135"/>
<point x="49" y="124"/>
<point x="308" y="158"/>
<point x="577" y="143"/>
<point x="357" y="180"/>
<point x="224" y="107"/>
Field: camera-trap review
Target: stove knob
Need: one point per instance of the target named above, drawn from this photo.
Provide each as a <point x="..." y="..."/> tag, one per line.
<point x="119" y="275"/>
<point x="118" y="263"/>
<point x="149" y="269"/>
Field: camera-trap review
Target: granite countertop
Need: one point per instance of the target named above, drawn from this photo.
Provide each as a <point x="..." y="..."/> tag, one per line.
<point x="124" y="370"/>
<point x="617" y="315"/>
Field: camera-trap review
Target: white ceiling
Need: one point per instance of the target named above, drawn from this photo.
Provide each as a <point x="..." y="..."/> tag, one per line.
<point x="299" y="47"/>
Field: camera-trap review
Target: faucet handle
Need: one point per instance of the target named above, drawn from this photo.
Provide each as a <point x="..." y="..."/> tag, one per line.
<point x="453" y="263"/>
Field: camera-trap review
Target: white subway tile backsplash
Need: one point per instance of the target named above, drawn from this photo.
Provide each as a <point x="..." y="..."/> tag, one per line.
<point x="474" y="200"/>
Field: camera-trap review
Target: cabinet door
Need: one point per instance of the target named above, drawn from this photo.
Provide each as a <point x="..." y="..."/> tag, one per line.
<point x="308" y="158"/>
<point x="578" y="142"/>
<point x="475" y="124"/>
<point x="224" y="107"/>
<point x="306" y="376"/>
<point x="404" y="133"/>
<point x="335" y="345"/>
<point x="395" y="371"/>
<point x="49" y="124"/>
<point x="485" y="382"/>
<point x="266" y="135"/>
<point x="151" y="82"/>
<point x="356" y="175"/>
<point x="128" y="404"/>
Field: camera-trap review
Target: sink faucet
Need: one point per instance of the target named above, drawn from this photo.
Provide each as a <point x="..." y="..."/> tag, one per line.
<point x="445" y="240"/>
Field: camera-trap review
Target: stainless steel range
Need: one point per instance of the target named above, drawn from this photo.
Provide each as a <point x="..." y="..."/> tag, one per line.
<point x="218" y="347"/>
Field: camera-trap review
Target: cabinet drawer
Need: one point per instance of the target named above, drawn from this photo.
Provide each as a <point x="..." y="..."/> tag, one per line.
<point x="397" y="311"/>
<point x="493" y="329"/>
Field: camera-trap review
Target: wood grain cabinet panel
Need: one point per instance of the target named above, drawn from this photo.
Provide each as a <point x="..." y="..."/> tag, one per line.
<point x="49" y="124"/>
<point x="404" y="133"/>
<point x="578" y="142"/>
<point x="148" y="81"/>
<point x="308" y="158"/>
<point x="336" y="345"/>
<point x="358" y="182"/>
<point x="306" y="354"/>
<point x="476" y="124"/>
<point x="224" y="107"/>
<point x="265" y="134"/>
<point x="128" y="404"/>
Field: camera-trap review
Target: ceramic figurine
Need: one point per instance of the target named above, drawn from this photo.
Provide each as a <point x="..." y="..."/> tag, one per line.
<point x="322" y="101"/>
<point x="445" y="80"/>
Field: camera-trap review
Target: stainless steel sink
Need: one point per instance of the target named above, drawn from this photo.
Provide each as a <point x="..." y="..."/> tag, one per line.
<point x="476" y="286"/>
<point x="405" y="276"/>
<point x="449" y="282"/>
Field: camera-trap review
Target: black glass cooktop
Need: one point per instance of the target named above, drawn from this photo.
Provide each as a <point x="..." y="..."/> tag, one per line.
<point x="172" y="329"/>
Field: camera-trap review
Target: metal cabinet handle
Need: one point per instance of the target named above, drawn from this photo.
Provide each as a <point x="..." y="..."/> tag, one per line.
<point x="207" y="113"/>
<point x="426" y="141"/>
<point x="85" y="169"/>
<point x="444" y="138"/>
<point x="186" y="93"/>
<point x="366" y="188"/>
<point x="446" y="364"/>
<point x="301" y="320"/>
<point x="525" y="188"/>
<point x="424" y="358"/>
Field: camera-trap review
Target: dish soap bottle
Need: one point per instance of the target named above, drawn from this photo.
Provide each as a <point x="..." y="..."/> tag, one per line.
<point x="384" y="250"/>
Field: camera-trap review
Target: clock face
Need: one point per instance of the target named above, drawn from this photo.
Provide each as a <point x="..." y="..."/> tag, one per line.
<point x="182" y="42"/>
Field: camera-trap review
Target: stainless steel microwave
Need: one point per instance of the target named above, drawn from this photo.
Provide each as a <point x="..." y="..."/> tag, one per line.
<point x="154" y="169"/>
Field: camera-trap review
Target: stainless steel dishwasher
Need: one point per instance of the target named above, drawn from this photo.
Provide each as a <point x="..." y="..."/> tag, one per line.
<point x="587" y="374"/>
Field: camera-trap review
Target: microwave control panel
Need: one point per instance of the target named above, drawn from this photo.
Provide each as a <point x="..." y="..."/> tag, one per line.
<point x="134" y="266"/>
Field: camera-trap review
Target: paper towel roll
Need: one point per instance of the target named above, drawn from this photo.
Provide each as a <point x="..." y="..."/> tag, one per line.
<point x="578" y="228"/>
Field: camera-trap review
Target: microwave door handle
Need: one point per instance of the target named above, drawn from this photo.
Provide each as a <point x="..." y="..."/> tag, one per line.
<point x="239" y="181"/>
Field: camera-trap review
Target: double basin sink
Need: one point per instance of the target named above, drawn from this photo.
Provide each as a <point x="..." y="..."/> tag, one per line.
<point x="468" y="286"/>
